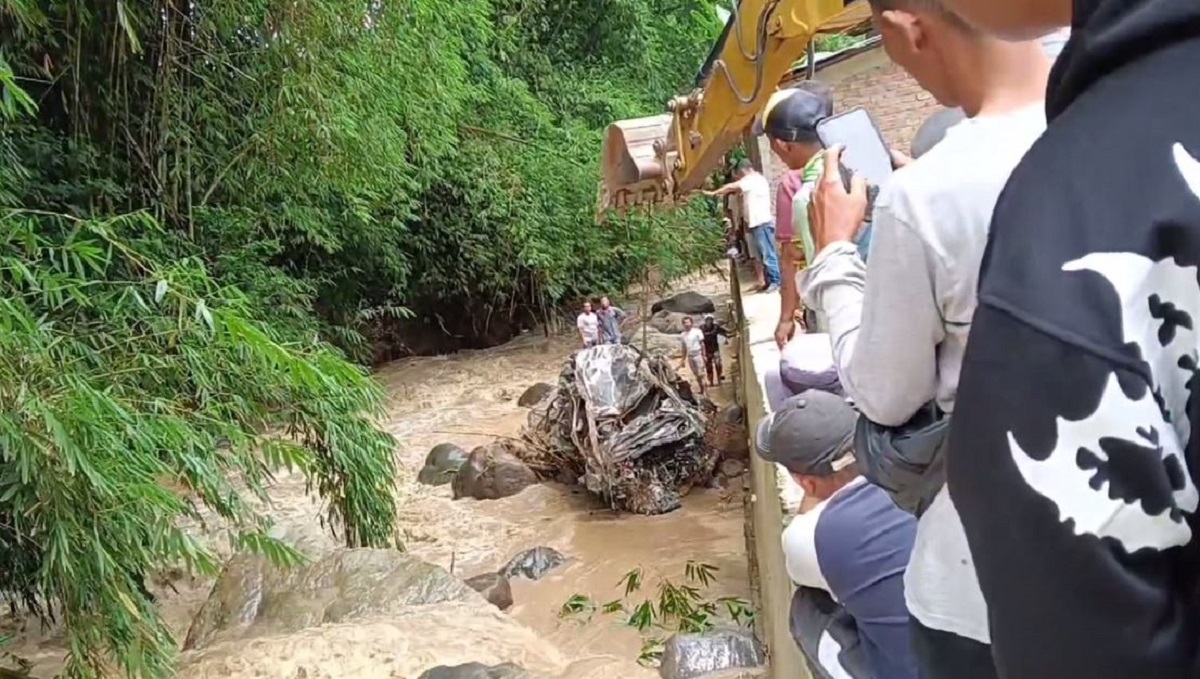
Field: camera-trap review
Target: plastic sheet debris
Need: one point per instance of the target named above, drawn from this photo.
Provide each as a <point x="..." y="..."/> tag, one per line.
<point x="626" y="427"/>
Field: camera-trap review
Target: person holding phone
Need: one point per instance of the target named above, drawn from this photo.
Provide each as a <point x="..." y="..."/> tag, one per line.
<point x="1074" y="456"/>
<point x="790" y="123"/>
<point x="899" y="323"/>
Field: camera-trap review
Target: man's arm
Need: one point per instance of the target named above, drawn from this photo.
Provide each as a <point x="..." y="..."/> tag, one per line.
<point x="731" y="187"/>
<point x="883" y="319"/>
<point x="1076" y="498"/>
<point x="800" y="552"/>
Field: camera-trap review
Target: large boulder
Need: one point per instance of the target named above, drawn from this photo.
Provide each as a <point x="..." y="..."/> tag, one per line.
<point x="535" y="394"/>
<point x="495" y="588"/>
<point x="400" y="644"/>
<point x="669" y="322"/>
<point x="533" y="564"/>
<point x="252" y="596"/>
<point x="653" y="342"/>
<point x="362" y="613"/>
<point x="492" y="472"/>
<point x="690" y="656"/>
<point x="688" y="302"/>
<point x="441" y="464"/>
<point x="480" y="671"/>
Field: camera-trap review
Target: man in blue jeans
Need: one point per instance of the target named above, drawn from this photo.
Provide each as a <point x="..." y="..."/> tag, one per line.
<point x="756" y="202"/>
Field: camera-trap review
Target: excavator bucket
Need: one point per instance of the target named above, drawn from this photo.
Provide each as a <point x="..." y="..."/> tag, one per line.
<point x="632" y="165"/>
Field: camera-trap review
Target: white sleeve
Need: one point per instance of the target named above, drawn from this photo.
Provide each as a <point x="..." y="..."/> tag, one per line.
<point x="800" y="550"/>
<point x="883" y="318"/>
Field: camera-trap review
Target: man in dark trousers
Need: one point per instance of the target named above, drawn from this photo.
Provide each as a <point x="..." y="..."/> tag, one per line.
<point x="1074" y="456"/>
<point x="712" y="350"/>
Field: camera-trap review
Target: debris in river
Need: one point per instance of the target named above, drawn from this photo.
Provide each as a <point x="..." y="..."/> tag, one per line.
<point x="693" y="656"/>
<point x="492" y="472"/>
<point x="625" y="426"/>
<point x="533" y="564"/>
<point x="495" y="588"/>
<point x="441" y="464"/>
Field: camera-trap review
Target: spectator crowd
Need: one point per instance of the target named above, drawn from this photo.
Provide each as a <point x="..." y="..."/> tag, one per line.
<point x="985" y="374"/>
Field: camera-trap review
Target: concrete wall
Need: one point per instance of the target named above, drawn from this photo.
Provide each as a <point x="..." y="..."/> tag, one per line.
<point x="869" y="80"/>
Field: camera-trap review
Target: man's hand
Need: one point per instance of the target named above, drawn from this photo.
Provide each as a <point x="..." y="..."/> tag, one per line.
<point x="784" y="332"/>
<point x="834" y="214"/>
<point x="899" y="159"/>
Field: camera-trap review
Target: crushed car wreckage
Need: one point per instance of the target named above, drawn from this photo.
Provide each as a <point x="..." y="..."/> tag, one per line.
<point x="626" y="427"/>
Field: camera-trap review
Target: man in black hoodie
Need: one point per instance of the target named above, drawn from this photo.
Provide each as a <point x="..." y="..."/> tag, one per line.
<point x="1073" y="459"/>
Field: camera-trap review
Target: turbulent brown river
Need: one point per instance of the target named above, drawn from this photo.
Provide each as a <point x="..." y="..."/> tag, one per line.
<point x="469" y="399"/>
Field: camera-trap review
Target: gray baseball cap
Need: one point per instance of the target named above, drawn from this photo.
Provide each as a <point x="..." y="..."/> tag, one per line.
<point x="810" y="434"/>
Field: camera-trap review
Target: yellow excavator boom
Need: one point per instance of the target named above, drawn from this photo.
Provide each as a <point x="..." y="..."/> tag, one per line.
<point x="660" y="159"/>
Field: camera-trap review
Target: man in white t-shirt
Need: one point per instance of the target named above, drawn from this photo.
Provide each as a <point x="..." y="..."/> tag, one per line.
<point x="588" y="324"/>
<point x="691" y="343"/>
<point x="899" y="322"/>
<point x="756" y="201"/>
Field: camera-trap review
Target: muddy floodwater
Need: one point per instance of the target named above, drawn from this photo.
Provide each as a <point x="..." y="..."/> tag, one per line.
<point x="470" y="399"/>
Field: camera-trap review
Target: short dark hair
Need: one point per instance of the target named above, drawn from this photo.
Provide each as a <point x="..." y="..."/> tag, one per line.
<point x="930" y="6"/>
<point x="743" y="166"/>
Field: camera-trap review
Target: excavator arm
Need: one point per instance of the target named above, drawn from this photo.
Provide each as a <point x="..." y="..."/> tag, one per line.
<point x="659" y="159"/>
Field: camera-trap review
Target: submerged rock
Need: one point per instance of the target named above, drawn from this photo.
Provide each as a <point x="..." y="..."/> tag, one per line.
<point x="441" y="464"/>
<point x="685" y="303"/>
<point x="495" y="588"/>
<point x="533" y="564"/>
<point x="480" y="671"/>
<point x="493" y="472"/>
<point x="252" y="596"/>
<point x="688" y="656"/>
<point x="534" y="394"/>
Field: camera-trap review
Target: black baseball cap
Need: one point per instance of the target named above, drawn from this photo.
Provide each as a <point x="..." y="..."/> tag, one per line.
<point x="811" y="434"/>
<point x="792" y="115"/>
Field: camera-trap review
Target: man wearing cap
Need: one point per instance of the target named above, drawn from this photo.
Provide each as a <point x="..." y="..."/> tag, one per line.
<point x="899" y="323"/>
<point x="790" y="123"/>
<point x="756" y="200"/>
<point x="854" y="543"/>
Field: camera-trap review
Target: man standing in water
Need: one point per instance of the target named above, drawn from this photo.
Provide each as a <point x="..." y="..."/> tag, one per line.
<point x="756" y="199"/>
<point x="588" y="325"/>
<point x="610" y="322"/>
<point x="691" y="342"/>
<point x="899" y="322"/>
<point x="1074" y="452"/>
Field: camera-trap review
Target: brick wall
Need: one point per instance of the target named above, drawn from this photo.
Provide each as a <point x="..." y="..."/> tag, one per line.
<point x="871" y="81"/>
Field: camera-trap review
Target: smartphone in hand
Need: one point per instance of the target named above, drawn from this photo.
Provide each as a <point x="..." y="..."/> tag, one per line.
<point x="865" y="154"/>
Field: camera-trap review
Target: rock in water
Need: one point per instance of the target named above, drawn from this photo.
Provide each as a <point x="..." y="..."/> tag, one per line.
<point x="656" y="343"/>
<point x="534" y="395"/>
<point x="480" y="671"/>
<point x="533" y="564"/>
<point x="689" y="302"/>
<point x="687" y="656"/>
<point x="252" y="595"/>
<point x="669" y="322"/>
<point x="441" y="464"/>
<point x="494" y="587"/>
<point x="492" y="472"/>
